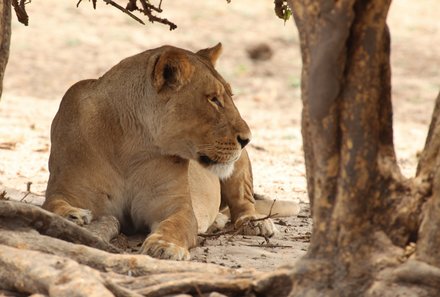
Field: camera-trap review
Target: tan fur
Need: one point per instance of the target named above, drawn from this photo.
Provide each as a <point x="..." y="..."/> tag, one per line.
<point x="141" y="143"/>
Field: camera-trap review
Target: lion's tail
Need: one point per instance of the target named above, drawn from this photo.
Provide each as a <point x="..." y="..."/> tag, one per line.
<point x="277" y="208"/>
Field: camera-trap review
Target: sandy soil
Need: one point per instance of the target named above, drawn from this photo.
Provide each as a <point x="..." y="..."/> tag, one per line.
<point x="64" y="44"/>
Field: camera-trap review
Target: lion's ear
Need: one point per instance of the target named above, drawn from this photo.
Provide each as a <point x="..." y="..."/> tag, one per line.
<point x="173" y="69"/>
<point x="211" y="53"/>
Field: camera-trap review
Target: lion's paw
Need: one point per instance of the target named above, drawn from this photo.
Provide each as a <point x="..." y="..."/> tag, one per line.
<point x="255" y="225"/>
<point x="219" y="224"/>
<point x="79" y="216"/>
<point x="155" y="246"/>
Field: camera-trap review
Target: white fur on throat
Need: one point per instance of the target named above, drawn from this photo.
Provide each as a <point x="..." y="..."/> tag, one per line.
<point x="223" y="171"/>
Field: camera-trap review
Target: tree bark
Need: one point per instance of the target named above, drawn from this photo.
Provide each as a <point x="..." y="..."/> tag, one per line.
<point x="342" y="98"/>
<point x="429" y="173"/>
<point x="364" y="211"/>
<point x="5" y="38"/>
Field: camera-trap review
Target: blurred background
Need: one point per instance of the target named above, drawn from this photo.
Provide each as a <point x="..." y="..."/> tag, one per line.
<point x="261" y="60"/>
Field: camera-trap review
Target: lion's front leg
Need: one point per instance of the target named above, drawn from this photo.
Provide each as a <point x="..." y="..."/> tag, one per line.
<point x="237" y="192"/>
<point x="172" y="237"/>
<point x="162" y="202"/>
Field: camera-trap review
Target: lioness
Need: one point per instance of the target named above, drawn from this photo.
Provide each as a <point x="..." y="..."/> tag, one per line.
<point x="149" y="142"/>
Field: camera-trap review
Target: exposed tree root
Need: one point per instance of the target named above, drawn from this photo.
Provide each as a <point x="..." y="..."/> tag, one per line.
<point x="35" y="272"/>
<point x="418" y="273"/>
<point x="47" y="223"/>
<point x="106" y="228"/>
<point x="90" y="272"/>
<point x="125" y="264"/>
<point x="38" y="262"/>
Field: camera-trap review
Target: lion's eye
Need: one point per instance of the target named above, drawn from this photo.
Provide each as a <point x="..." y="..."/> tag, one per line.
<point x="215" y="101"/>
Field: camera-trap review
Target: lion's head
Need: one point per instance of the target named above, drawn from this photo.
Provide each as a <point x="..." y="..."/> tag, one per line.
<point x="198" y="119"/>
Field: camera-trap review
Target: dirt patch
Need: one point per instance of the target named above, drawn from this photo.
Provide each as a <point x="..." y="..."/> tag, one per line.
<point x="64" y="44"/>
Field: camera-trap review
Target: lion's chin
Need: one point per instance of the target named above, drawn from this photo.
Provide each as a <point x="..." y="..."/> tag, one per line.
<point x="222" y="170"/>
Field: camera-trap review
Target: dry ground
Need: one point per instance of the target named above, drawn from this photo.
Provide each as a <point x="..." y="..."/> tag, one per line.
<point x="64" y="44"/>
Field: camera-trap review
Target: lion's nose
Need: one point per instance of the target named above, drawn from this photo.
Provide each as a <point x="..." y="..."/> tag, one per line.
<point x="243" y="141"/>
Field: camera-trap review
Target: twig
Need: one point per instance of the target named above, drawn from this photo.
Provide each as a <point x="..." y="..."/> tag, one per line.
<point x="269" y="216"/>
<point x="199" y="293"/>
<point x="224" y="232"/>
<point x="237" y="231"/>
<point x="258" y="147"/>
<point x="303" y="216"/>
<point x="124" y="10"/>
<point x="304" y="237"/>
<point x="28" y="186"/>
<point x="147" y="10"/>
<point x="234" y="232"/>
<point x="24" y="197"/>
<point x="8" y="145"/>
<point x="28" y="191"/>
<point x="131" y="5"/>
<point x="149" y="6"/>
<point x="3" y="196"/>
<point x="112" y="3"/>
<point x="267" y="239"/>
<point x="270" y="245"/>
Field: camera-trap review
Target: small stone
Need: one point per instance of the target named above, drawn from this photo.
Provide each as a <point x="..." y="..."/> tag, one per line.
<point x="260" y="52"/>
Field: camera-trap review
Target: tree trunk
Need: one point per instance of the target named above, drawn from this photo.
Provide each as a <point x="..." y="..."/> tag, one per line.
<point x="5" y="37"/>
<point x="364" y="211"/>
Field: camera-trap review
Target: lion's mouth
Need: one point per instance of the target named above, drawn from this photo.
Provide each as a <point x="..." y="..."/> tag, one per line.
<point x="206" y="160"/>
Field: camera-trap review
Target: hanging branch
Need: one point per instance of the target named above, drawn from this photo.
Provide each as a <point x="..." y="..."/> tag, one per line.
<point x="148" y="9"/>
<point x="112" y="3"/>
